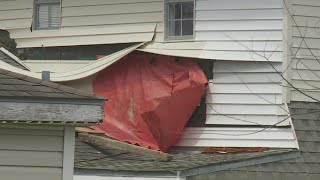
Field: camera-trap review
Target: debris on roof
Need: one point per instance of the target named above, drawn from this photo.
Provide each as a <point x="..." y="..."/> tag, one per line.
<point x="230" y="150"/>
<point x="152" y="97"/>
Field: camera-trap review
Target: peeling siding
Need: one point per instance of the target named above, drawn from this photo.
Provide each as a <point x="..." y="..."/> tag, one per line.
<point x="244" y="97"/>
<point x="31" y="154"/>
<point x="255" y="25"/>
<point x="306" y="46"/>
<point x="92" y="22"/>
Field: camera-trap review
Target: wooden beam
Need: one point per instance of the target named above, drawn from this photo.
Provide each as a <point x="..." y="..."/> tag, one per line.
<point x="50" y="112"/>
<point x="108" y="143"/>
<point x="88" y="130"/>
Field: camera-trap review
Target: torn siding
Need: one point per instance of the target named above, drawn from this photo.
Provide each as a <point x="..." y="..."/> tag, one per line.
<point x="305" y="52"/>
<point x="92" y="22"/>
<point x="242" y="99"/>
<point x="227" y="30"/>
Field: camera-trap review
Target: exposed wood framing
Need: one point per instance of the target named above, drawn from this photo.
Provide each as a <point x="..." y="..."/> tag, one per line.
<point x="104" y="142"/>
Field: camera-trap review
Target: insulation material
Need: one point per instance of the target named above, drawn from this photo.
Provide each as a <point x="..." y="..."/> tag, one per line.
<point x="150" y="98"/>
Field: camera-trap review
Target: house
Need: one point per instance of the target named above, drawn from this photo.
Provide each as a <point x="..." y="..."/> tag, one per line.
<point x="38" y="120"/>
<point x="260" y="58"/>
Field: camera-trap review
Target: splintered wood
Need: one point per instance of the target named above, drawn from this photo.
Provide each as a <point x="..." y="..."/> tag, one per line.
<point x="107" y="143"/>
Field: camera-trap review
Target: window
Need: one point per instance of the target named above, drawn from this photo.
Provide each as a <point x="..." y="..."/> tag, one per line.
<point x="179" y="19"/>
<point x="47" y="14"/>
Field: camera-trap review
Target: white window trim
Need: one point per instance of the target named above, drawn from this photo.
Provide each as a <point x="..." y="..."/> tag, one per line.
<point x="166" y="22"/>
<point x="35" y="14"/>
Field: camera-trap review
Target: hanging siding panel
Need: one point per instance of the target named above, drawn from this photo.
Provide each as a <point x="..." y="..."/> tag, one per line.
<point x="86" y="22"/>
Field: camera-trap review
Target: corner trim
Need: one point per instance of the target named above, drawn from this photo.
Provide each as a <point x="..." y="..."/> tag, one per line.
<point x="68" y="153"/>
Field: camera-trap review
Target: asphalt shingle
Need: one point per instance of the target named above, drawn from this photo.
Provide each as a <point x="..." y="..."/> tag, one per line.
<point x="306" y="120"/>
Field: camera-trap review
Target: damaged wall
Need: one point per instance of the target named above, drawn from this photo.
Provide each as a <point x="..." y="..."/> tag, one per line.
<point x="217" y="26"/>
<point x="84" y="22"/>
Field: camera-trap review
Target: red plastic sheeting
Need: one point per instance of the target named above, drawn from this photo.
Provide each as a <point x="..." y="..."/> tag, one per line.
<point x="150" y="98"/>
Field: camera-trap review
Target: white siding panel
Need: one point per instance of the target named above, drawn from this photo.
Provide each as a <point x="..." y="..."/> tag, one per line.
<point x="14" y="5"/>
<point x="244" y="98"/>
<point x="244" y="67"/>
<point x="31" y="142"/>
<point x="30" y="173"/>
<point x="31" y="153"/>
<point x="87" y="40"/>
<point x="246" y="120"/>
<point x="248" y="78"/>
<point x="30" y="158"/>
<point x="238" y="25"/>
<point x="252" y="109"/>
<point x="270" y="88"/>
<point x="112" y="19"/>
<point x="142" y="7"/>
<point x="239" y="35"/>
<point x="240" y="14"/>
<point x="305" y="67"/>
<point x="246" y="93"/>
<point x="242" y="56"/>
<point x="239" y="137"/>
<point x="236" y="4"/>
<point x="76" y="3"/>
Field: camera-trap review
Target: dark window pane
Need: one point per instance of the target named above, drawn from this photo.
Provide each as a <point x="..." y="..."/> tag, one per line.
<point x="177" y="11"/>
<point x="175" y="28"/>
<point x="171" y="11"/>
<point x="187" y="27"/>
<point x="187" y="10"/>
<point x="43" y="18"/>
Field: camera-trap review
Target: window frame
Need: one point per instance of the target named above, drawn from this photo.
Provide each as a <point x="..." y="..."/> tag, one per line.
<point x="166" y="22"/>
<point x="36" y="4"/>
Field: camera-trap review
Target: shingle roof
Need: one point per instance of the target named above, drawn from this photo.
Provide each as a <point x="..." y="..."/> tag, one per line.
<point x="7" y="59"/>
<point x="17" y="85"/>
<point x="40" y="102"/>
<point x="92" y="158"/>
<point x="306" y="121"/>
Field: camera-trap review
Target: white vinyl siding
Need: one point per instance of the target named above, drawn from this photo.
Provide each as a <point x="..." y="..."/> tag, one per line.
<point x="305" y="72"/>
<point x="231" y="30"/>
<point x="238" y="137"/>
<point x="243" y="98"/>
<point x="47" y="14"/>
<point x="31" y="154"/>
<point x="86" y="22"/>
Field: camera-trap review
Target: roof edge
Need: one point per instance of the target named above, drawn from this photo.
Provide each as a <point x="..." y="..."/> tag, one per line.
<point x="241" y="163"/>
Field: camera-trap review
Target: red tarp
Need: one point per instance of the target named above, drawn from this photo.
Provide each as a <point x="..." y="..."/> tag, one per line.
<point x="150" y="98"/>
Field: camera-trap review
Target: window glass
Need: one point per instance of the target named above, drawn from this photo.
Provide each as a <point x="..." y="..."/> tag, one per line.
<point x="180" y="19"/>
<point x="47" y="14"/>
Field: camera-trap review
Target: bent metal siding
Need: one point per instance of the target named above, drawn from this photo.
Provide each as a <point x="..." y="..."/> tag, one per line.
<point x="224" y="30"/>
<point x="306" y="49"/>
<point x="31" y="154"/>
<point x="84" y="22"/>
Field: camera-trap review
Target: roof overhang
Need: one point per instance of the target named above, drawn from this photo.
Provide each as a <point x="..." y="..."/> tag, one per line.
<point x="51" y="111"/>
